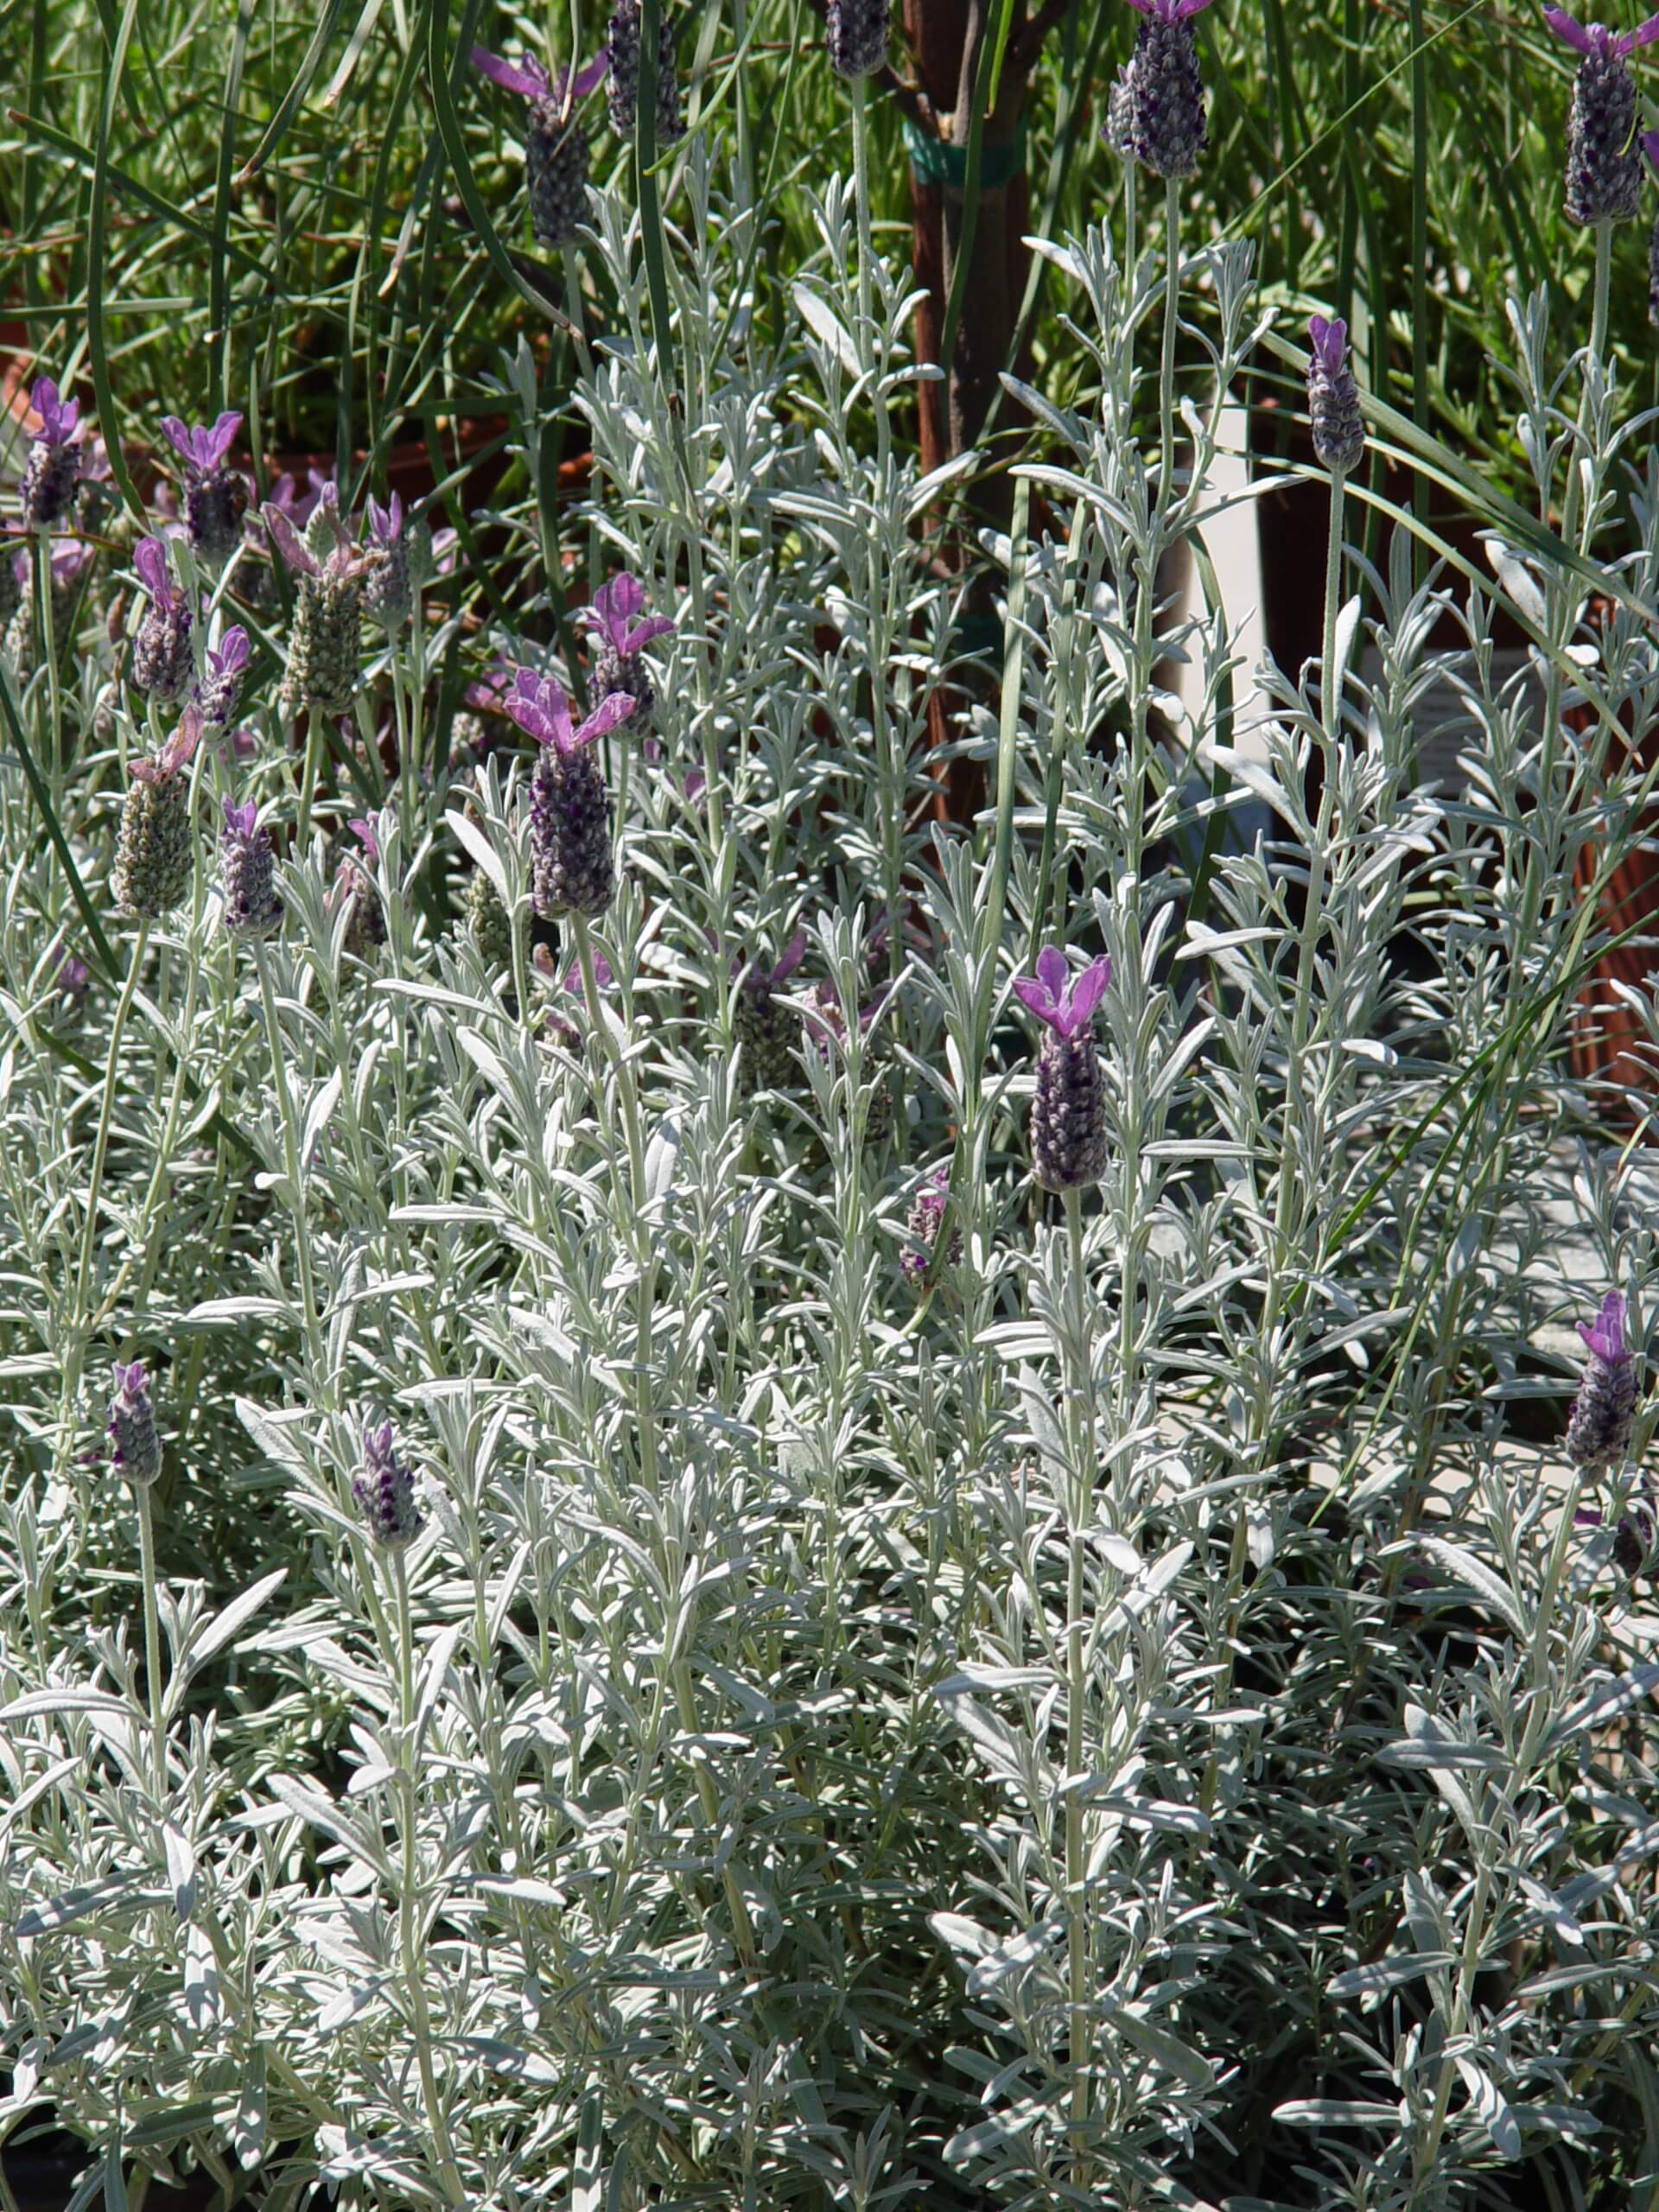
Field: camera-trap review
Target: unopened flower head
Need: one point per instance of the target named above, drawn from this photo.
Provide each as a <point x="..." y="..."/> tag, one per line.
<point x="1068" y="1113"/>
<point x="161" y="664"/>
<point x="492" y="925"/>
<point x="134" y="1445"/>
<point x="1604" y="172"/>
<point x="325" y="645"/>
<point x="388" y="592"/>
<point x="220" y="684"/>
<point x="215" y="496"/>
<point x="556" y="148"/>
<point x="365" y="927"/>
<point x="765" y="1027"/>
<point x="1333" y="396"/>
<point x="155" y="855"/>
<point x="1598" y="1428"/>
<point x="622" y="89"/>
<point x="52" y="469"/>
<point x="384" y="1491"/>
<point x="1166" y="124"/>
<point x="572" y="868"/>
<point x="247" y="872"/>
<point x="620" y="639"/>
<point x="926" y="1215"/>
<point x="855" y="37"/>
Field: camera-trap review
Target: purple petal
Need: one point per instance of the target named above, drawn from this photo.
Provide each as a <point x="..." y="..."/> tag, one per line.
<point x="617" y="603"/>
<point x="1605" y="1335"/>
<point x="587" y="78"/>
<point x="218" y="441"/>
<point x="1053" y="972"/>
<point x="366" y="830"/>
<point x="239" y="820"/>
<point x="289" y="542"/>
<point x="149" y="558"/>
<point x="180" y="437"/>
<point x="614" y="708"/>
<point x="790" y="958"/>
<point x="1644" y="34"/>
<point x="654" y="626"/>
<point x="1650" y="146"/>
<point x="1186" y="8"/>
<point x="1564" y="26"/>
<point x="232" y="651"/>
<point x="1087" y="993"/>
<point x="1035" y="998"/>
<point x="530" y="82"/>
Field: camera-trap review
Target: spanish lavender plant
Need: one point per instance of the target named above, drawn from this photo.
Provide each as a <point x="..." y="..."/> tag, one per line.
<point x="622" y="90"/>
<point x="155" y="858"/>
<point x="216" y="498"/>
<point x="1068" y="1113"/>
<point x="384" y="1491"/>
<point x="247" y="874"/>
<point x="134" y="1445"/>
<point x="387" y="590"/>
<point x="573" y="869"/>
<point x="1599" y="1432"/>
<point x="857" y="36"/>
<point x="1165" y="119"/>
<point x="161" y="663"/>
<point x="1333" y="398"/>
<point x="53" y="470"/>
<point x="556" y="148"/>
<point x="1604" y="172"/>
<point x="325" y="644"/>
<point x="219" y="691"/>
<point x="619" y="641"/>
<point x="766" y="1028"/>
<point x="925" y="1220"/>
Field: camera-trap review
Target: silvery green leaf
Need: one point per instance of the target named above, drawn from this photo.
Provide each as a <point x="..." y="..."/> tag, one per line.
<point x="180" y="1868"/>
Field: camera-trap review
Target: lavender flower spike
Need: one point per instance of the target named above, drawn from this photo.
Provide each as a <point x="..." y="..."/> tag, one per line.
<point x="385" y="1491"/>
<point x="1068" y="1113"/>
<point x="556" y="144"/>
<point x="1651" y="148"/>
<point x="619" y="640"/>
<point x="1333" y="398"/>
<point x="252" y="906"/>
<point x="134" y="1446"/>
<point x="221" y="684"/>
<point x="1598" y="1428"/>
<point x="1604" y="175"/>
<point x="1165" y="119"/>
<point x="855" y="37"/>
<point x="622" y="50"/>
<point x="325" y="646"/>
<point x="386" y="589"/>
<point x="155" y="855"/>
<point x="926" y="1217"/>
<point x="161" y="663"/>
<point x="215" y="497"/>
<point x="764" y="1027"/>
<point x="571" y="867"/>
<point x="53" y="467"/>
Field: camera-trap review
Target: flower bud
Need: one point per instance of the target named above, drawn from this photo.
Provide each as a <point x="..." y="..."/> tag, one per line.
<point x="134" y="1446"/>
<point x="1598" y="1427"/>
<point x="857" y="37"/>
<point x="384" y="1491"/>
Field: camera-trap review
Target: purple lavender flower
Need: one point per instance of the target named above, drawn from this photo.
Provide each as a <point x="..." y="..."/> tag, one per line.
<point x="161" y="664"/>
<point x="70" y="979"/>
<point x="1333" y="396"/>
<point x="54" y="468"/>
<point x="855" y="37"/>
<point x="134" y="1446"/>
<point x="220" y="684"/>
<point x="385" y="1491"/>
<point x="1604" y="175"/>
<point x="1166" y="124"/>
<point x="926" y="1217"/>
<point x="556" y="144"/>
<point x="766" y="1028"/>
<point x="572" y="869"/>
<point x="325" y="646"/>
<point x="1637" y="1537"/>
<point x="215" y="497"/>
<point x="247" y="872"/>
<point x="67" y="567"/>
<point x="619" y="640"/>
<point x="622" y="52"/>
<point x="1598" y="1428"/>
<point x="1651" y="148"/>
<point x="387" y="593"/>
<point x="365" y="928"/>
<point x="1068" y="1113"/>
